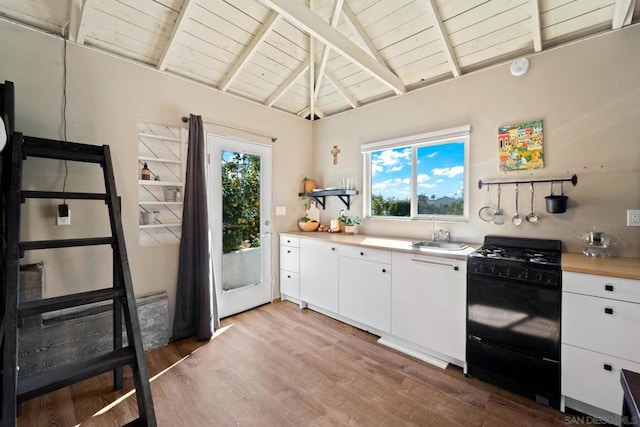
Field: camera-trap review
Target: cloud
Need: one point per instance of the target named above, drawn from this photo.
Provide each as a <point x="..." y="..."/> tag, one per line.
<point x="390" y="160"/>
<point x="448" y="172"/>
<point x="440" y="181"/>
<point x="422" y="177"/>
<point x="432" y="155"/>
<point x="427" y="185"/>
<point x="395" y="187"/>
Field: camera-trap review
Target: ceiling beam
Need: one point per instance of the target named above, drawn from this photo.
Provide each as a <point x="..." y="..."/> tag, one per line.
<point x="337" y="8"/>
<point x="350" y="18"/>
<point x="444" y="38"/>
<point x="250" y="50"/>
<point x="305" y="112"/>
<point x="312" y="71"/>
<point x="79" y="22"/>
<point x="622" y="13"/>
<point x="178" y="26"/>
<point x="302" y="68"/>
<point x="536" y="31"/>
<point x="343" y="90"/>
<point x="309" y="22"/>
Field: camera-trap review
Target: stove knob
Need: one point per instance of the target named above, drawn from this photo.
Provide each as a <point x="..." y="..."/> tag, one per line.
<point x="492" y="268"/>
<point x="525" y="274"/>
<point x="507" y="271"/>
<point x="539" y="276"/>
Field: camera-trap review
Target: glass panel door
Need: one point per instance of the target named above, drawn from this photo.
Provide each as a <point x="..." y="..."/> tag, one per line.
<point x="240" y="194"/>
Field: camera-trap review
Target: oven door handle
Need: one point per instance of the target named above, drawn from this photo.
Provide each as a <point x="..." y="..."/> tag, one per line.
<point x="446" y="264"/>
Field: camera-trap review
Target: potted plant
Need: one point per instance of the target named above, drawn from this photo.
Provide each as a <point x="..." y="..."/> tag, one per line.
<point x="309" y="184"/>
<point x="349" y="223"/>
<point x="171" y="194"/>
<point x="305" y="223"/>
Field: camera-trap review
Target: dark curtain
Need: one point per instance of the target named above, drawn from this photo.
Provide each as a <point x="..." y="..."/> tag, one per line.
<point x="196" y="307"/>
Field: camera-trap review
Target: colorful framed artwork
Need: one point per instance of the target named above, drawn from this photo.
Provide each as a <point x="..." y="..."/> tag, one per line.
<point x="521" y="146"/>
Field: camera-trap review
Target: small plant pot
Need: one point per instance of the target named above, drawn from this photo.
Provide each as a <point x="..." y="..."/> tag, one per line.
<point x="309" y="226"/>
<point x="309" y="186"/>
<point x="170" y="195"/>
<point x="350" y="229"/>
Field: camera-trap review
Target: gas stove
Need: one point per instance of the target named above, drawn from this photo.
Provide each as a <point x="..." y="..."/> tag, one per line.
<point x="535" y="261"/>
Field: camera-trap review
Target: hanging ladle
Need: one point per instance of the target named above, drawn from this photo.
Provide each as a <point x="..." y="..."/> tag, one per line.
<point x="532" y="217"/>
<point x="516" y="219"/>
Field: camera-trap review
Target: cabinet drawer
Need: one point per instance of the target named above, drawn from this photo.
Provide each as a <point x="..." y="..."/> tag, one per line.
<point x="290" y="284"/>
<point x="586" y="377"/>
<point x="602" y="286"/>
<point x="290" y="241"/>
<point x="600" y="324"/>
<point x="368" y="254"/>
<point x="290" y="259"/>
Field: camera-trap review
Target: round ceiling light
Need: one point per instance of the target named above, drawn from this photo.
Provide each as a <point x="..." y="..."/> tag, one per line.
<point x="519" y="67"/>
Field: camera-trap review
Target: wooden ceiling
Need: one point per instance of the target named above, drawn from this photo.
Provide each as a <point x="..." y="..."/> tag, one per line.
<point x="320" y="57"/>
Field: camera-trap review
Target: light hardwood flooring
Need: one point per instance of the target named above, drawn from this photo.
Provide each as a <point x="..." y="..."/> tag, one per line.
<point x="278" y="365"/>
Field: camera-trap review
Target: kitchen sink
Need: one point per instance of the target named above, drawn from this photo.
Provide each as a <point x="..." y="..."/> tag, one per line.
<point x="447" y="246"/>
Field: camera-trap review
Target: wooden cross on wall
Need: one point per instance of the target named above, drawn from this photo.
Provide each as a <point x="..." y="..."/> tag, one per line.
<point x="334" y="152"/>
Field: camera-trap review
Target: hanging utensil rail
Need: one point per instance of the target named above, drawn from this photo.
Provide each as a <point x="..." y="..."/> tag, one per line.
<point x="573" y="180"/>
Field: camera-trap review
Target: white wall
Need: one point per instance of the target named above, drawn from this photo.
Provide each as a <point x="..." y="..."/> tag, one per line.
<point x="588" y="95"/>
<point x="106" y="97"/>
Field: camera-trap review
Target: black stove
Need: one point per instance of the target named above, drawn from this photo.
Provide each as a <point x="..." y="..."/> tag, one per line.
<point x="513" y="316"/>
<point x="529" y="260"/>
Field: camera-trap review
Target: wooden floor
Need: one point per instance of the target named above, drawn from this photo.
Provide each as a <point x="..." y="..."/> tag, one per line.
<point x="278" y="365"/>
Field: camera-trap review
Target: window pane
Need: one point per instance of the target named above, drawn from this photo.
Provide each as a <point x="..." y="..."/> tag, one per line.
<point x="391" y="182"/>
<point x="440" y="179"/>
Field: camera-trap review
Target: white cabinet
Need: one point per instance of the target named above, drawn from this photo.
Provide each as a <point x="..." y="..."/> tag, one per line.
<point x="600" y="318"/>
<point x="289" y="268"/>
<point x="161" y="148"/>
<point x="365" y="286"/>
<point x="428" y="302"/>
<point x="319" y="274"/>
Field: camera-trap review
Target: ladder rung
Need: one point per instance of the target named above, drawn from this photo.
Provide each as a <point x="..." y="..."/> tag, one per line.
<point x="62" y="195"/>
<point x="29" y="308"/>
<point x="46" y="381"/>
<point x="51" y="149"/>
<point x="65" y="243"/>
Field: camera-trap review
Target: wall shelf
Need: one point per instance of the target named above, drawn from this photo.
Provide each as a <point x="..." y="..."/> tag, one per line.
<point x="160" y="225"/>
<point x="320" y="196"/>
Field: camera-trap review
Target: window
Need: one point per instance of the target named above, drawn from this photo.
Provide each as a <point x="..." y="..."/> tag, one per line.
<point x="418" y="176"/>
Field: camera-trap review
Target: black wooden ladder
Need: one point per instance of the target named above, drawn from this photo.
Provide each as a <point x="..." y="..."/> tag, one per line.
<point x="16" y="389"/>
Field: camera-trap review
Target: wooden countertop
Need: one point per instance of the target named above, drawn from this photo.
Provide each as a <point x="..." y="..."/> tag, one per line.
<point x="397" y="244"/>
<point x="615" y="267"/>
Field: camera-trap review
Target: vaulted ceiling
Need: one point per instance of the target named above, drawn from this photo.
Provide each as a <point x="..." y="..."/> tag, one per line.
<point x="320" y="57"/>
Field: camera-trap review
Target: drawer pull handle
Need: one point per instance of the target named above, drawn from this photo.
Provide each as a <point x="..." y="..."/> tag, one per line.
<point x="288" y="276"/>
<point x="384" y="270"/>
<point x="361" y="253"/>
<point x="456" y="268"/>
<point x="288" y="241"/>
<point x="608" y="287"/>
<point x="608" y="310"/>
<point x="288" y="252"/>
<point x="333" y="249"/>
<point x="607" y="367"/>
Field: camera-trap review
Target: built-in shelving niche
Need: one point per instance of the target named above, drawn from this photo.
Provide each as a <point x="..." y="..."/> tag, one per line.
<point x="163" y="148"/>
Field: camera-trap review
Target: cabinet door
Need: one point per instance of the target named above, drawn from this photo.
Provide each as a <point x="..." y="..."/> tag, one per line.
<point x="594" y="378"/>
<point x="428" y="302"/>
<point x="290" y="284"/>
<point x="604" y="325"/>
<point x="319" y="274"/>
<point x="365" y="292"/>
<point x="290" y="258"/>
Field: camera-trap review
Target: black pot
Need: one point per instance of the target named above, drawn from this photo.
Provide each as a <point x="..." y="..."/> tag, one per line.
<point x="556" y="204"/>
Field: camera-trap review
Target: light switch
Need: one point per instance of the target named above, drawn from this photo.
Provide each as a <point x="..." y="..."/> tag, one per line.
<point x="281" y="210"/>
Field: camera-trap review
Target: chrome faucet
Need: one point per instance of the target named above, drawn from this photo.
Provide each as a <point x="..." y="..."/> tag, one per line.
<point x="440" y="233"/>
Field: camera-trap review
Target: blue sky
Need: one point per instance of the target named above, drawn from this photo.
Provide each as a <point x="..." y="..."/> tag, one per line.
<point x="440" y="171"/>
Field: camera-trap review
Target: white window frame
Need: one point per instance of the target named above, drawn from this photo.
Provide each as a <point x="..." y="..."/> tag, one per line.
<point x="456" y="134"/>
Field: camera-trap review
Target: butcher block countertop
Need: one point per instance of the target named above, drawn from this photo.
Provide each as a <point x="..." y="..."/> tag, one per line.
<point x="398" y="244"/>
<point x="615" y="267"/>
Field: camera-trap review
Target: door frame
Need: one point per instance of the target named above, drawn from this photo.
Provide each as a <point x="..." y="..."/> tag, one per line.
<point x="241" y="299"/>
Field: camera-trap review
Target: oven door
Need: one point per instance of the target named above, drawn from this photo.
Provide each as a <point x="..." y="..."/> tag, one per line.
<point x="519" y="315"/>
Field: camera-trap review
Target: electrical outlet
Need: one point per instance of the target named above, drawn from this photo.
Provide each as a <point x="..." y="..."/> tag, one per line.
<point x="633" y="218"/>
<point x="64" y="215"/>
